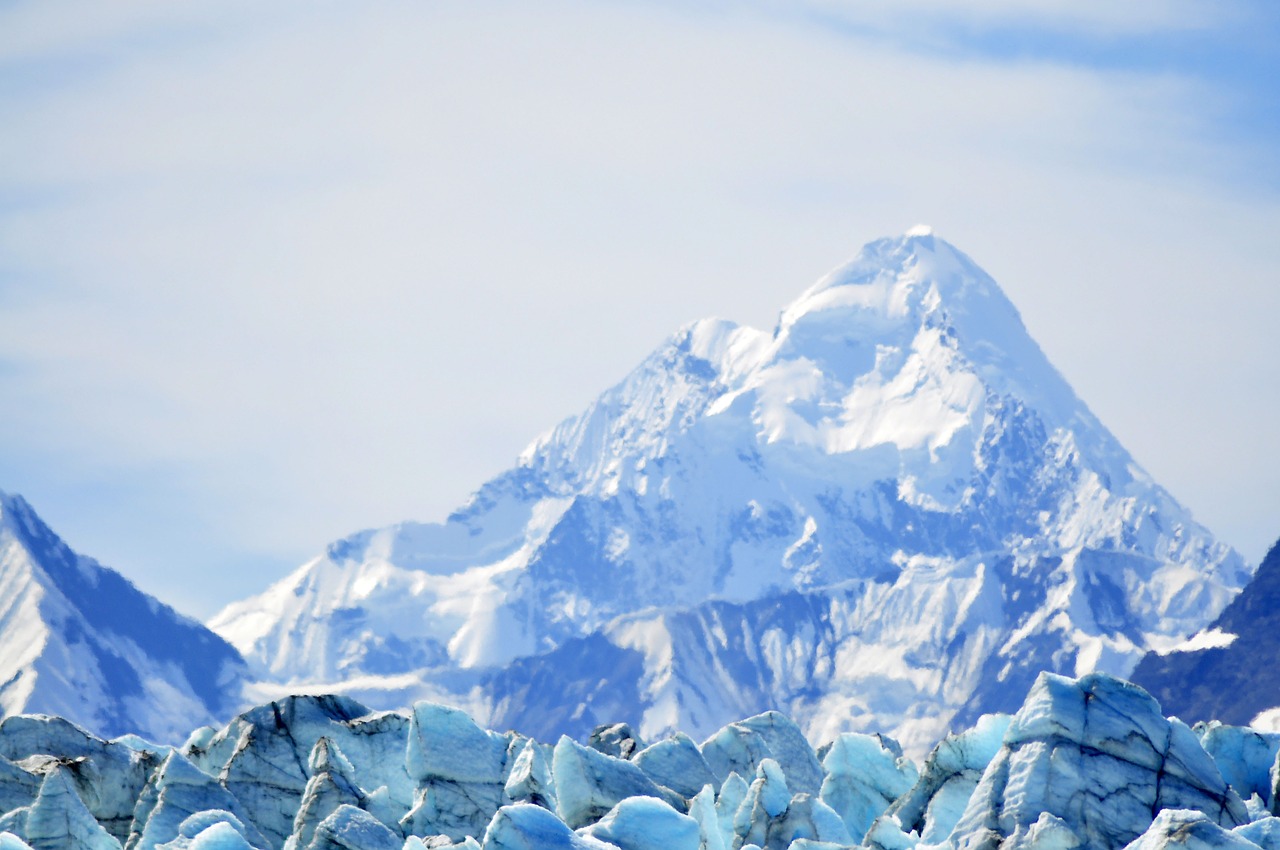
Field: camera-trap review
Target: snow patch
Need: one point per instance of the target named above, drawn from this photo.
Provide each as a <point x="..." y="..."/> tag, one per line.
<point x="1205" y="639"/>
<point x="1267" y="721"/>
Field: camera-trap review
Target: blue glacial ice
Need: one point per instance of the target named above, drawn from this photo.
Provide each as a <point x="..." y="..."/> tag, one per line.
<point x="1084" y="764"/>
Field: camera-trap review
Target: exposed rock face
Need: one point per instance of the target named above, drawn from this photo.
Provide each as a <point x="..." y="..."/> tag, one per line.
<point x="1231" y="670"/>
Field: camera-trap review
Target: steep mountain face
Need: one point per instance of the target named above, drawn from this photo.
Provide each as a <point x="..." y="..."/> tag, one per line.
<point x="890" y="512"/>
<point x="78" y="640"/>
<point x="1228" y="671"/>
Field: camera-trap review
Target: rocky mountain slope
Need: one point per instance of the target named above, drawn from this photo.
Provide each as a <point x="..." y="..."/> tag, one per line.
<point x="1228" y="671"/>
<point x="888" y="513"/>
<point x="78" y="640"/>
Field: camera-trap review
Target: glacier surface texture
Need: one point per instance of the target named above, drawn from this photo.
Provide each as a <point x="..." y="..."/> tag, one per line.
<point x="1083" y="763"/>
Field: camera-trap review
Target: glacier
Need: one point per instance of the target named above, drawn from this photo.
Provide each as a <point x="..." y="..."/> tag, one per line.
<point x="888" y="514"/>
<point x="1088" y="762"/>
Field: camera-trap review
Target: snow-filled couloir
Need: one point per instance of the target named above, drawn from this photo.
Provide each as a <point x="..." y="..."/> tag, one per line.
<point x="890" y="512"/>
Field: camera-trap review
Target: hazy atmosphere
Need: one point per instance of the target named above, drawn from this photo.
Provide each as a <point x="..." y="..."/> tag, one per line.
<point x="273" y="274"/>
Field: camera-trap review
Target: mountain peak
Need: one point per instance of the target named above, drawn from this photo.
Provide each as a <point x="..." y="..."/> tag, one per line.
<point x="896" y="279"/>
<point x="891" y="510"/>
<point x="79" y="640"/>
<point x="15" y="509"/>
<point x="896" y="295"/>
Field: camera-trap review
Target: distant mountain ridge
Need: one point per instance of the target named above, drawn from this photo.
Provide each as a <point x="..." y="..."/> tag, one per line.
<point x="891" y="512"/>
<point x="1227" y="672"/>
<point x="78" y="640"/>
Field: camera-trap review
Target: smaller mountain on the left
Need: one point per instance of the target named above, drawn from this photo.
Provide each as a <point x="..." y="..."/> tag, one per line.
<point x="80" y="641"/>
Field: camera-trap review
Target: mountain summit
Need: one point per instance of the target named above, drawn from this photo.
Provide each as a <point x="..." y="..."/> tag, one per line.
<point x="78" y="640"/>
<point x="890" y="512"/>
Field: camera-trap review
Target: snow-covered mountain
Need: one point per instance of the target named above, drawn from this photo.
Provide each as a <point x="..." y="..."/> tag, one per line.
<point x="78" y="640"/>
<point x="889" y="513"/>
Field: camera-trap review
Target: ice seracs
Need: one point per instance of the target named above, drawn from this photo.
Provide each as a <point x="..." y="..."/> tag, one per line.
<point x="460" y="771"/>
<point x="864" y="775"/>
<point x="176" y="791"/>
<point x="931" y="808"/>
<point x="1083" y="763"/>
<point x="1098" y="756"/>
<point x="109" y="775"/>
<point x="646" y="823"/>
<point x="676" y="763"/>
<point x="590" y="783"/>
<point x="741" y="747"/>
<point x="1245" y="757"/>
<point x="1190" y="829"/>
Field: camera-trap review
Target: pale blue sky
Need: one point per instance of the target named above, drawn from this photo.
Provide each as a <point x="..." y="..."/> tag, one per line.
<point x="271" y="274"/>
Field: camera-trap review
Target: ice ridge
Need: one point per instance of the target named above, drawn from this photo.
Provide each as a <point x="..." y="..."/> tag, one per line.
<point x="1082" y="763"/>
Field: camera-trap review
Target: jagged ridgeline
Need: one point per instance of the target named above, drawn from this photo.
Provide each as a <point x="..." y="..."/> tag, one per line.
<point x="1087" y="763"/>
<point x="887" y="513"/>
<point x="1227" y="671"/>
<point x="78" y="640"/>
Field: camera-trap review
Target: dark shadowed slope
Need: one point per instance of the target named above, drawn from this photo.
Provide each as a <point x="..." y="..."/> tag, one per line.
<point x="1233" y="682"/>
<point x="78" y="640"/>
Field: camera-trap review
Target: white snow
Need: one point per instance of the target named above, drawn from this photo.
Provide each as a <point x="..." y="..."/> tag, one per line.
<point x="1267" y="721"/>
<point x="63" y="650"/>
<point x="898" y="450"/>
<point x="1206" y="639"/>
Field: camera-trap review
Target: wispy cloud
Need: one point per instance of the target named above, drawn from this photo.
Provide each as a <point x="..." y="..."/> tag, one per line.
<point x="1077" y="17"/>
